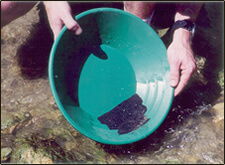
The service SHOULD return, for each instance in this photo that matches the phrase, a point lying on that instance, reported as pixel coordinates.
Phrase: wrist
(182, 35)
(183, 30)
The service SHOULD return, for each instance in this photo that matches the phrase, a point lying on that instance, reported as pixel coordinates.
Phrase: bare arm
(180, 54)
(187, 11)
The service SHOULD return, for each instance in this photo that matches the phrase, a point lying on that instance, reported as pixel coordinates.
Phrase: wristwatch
(185, 24)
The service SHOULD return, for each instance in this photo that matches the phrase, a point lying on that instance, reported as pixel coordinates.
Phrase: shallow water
(189, 135)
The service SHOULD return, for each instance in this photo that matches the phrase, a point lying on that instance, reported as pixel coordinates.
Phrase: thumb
(174, 74)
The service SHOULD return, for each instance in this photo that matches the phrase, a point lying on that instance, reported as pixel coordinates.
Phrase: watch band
(185, 24)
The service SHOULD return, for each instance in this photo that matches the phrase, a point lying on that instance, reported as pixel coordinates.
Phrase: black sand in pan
(127, 116)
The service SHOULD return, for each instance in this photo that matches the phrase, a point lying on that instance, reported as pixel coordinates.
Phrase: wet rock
(12, 123)
(221, 79)
(172, 160)
(218, 110)
(5, 153)
(4, 63)
(26, 154)
(112, 159)
(53, 103)
(26, 100)
(7, 120)
(191, 158)
(200, 65)
(143, 160)
(70, 145)
(91, 151)
(27, 115)
(35, 149)
(7, 140)
(200, 62)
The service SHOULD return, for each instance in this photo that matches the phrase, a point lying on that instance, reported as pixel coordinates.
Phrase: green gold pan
(116, 56)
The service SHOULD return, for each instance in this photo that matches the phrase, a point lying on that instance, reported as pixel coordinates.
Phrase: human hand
(59, 13)
(181, 60)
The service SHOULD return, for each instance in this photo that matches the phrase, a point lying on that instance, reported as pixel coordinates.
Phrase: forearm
(188, 11)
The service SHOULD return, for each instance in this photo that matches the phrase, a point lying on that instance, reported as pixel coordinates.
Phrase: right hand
(181, 60)
(59, 13)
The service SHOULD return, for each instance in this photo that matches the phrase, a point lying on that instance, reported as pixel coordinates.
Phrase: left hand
(181, 60)
(59, 13)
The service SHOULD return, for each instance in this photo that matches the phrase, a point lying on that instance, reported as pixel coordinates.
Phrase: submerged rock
(218, 116)
(5, 153)
(7, 120)
(221, 80)
(25, 153)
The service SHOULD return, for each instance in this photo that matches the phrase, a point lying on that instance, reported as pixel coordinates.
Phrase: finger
(174, 74)
(185, 76)
(71, 24)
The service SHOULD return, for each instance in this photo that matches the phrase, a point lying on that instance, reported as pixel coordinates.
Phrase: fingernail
(173, 83)
(78, 31)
